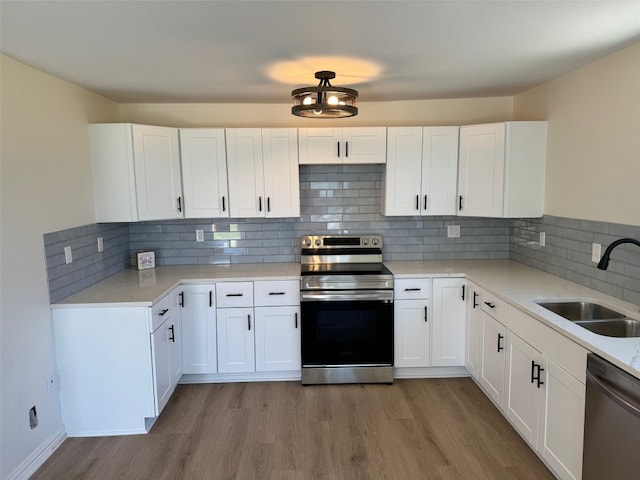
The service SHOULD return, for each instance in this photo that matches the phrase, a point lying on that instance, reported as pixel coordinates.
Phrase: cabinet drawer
(411, 288)
(234, 294)
(276, 292)
(494, 306)
(160, 312)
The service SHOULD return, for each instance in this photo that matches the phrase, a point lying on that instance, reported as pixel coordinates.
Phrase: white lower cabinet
(492, 357)
(411, 322)
(277, 337)
(448, 322)
(236, 332)
(199, 350)
(472, 330)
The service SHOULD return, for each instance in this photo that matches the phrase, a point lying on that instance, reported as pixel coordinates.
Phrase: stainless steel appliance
(611, 422)
(346, 296)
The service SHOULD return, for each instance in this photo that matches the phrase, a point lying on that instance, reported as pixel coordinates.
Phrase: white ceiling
(226, 51)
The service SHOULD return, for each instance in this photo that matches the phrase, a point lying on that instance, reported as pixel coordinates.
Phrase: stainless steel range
(347, 310)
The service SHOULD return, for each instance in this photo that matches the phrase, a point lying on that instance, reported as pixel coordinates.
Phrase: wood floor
(413, 429)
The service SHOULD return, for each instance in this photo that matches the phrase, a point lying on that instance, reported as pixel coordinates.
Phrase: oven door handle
(347, 295)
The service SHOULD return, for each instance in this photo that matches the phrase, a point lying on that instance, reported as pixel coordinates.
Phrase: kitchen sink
(595, 317)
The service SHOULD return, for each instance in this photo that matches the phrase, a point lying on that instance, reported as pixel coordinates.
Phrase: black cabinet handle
(224, 207)
(539, 376)
(338, 149)
(276, 293)
(210, 298)
(181, 295)
(412, 289)
(533, 371)
(460, 202)
(163, 312)
(425, 314)
(249, 322)
(425, 202)
(346, 149)
(268, 204)
(475, 297)
(235, 294)
(259, 204)
(463, 289)
(173, 334)
(490, 305)
(179, 204)
(417, 202)
(500, 347)
(296, 316)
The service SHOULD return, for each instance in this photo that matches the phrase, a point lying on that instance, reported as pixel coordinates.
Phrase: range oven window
(347, 333)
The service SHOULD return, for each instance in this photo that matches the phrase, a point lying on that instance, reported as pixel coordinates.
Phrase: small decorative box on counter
(146, 260)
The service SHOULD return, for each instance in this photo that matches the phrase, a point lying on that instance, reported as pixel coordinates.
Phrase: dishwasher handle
(614, 394)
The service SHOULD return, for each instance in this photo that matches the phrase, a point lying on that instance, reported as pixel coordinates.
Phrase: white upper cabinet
(136, 172)
(204, 172)
(357, 145)
(501, 169)
(422, 171)
(263, 172)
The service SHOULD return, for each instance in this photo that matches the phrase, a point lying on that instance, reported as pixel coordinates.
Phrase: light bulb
(318, 112)
(332, 100)
(307, 101)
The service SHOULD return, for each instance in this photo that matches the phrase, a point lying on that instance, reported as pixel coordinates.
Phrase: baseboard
(40, 455)
(430, 372)
(294, 375)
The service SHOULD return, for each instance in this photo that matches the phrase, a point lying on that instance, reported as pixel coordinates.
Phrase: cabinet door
(563, 426)
(447, 333)
(246, 172)
(175, 337)
(439, 170)
(277, 338)
(472, 343)
(402, 195)
(281, 172)
(235, 328)
(492, 357)
(524, 392)
(204, 172)
(162, 375)
(364, 145)
(318, 146)
(481, 170)
(157, 167)
(411, 333)
(199, 352)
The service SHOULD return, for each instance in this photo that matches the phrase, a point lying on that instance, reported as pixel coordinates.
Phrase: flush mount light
(324, 101)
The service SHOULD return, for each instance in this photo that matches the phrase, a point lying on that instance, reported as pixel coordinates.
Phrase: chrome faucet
(603, 264)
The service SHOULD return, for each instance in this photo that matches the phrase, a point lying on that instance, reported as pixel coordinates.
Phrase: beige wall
(593, 162)
(420, 112)
(45, 186)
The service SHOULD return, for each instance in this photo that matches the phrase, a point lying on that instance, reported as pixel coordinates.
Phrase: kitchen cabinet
(411, 322)
(277, 325)
(492, 347)
(356, 145)
(263, 172)
(448, 322)
(235, 327)
(197, 303)
(118, 365)
(422, 171)
(136, 172)
(204, 172)
(472, 329)
(502, 170)
(546, 392)
(176, 338)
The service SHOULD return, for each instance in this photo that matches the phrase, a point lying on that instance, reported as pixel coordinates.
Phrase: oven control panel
(341, 241)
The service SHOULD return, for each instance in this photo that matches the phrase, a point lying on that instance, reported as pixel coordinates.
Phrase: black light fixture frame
(320, 108)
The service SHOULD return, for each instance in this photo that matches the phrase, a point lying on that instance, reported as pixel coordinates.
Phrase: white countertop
(518, 284)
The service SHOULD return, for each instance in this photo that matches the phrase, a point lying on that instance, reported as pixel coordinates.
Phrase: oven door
(347, 332)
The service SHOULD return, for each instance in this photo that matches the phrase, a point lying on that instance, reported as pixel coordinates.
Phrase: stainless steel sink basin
(577, 311)
(595, 317)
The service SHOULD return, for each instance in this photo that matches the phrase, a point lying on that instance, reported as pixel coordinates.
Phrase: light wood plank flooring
(413, 429)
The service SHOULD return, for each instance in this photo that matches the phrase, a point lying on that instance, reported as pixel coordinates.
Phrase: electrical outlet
(453, 231)
(68, 258)
(100, 244)
(199, 235)
(595, 252)
(51, 382)
(33, 418)
(543, 239)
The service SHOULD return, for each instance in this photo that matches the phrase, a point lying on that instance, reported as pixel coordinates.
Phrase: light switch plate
(100, 244)
(453, 231)
(595, 252)
(68, 257)
(543, 239)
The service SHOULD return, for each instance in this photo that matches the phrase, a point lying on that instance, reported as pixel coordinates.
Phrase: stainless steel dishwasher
(612, 423)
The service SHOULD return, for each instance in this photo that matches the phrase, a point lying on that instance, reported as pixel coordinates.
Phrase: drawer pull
(163, 312)
(500, 347)
(249, 322)
(463, 291)
(210, 298)
(173, 334)
(475, 296)
(489, 304)
(296, 315)
(412, 289)
(181, 295)
(276, 293)
(235, 294)
(425, 314)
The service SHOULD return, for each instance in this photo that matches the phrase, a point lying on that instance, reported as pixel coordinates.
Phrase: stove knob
(375, 241)
(307, 241)
(318, 242)
(365, 241)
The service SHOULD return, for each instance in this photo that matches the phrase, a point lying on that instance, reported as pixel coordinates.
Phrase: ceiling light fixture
(324, 101)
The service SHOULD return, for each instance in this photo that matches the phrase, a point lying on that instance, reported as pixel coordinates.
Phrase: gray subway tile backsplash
(345, 200)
